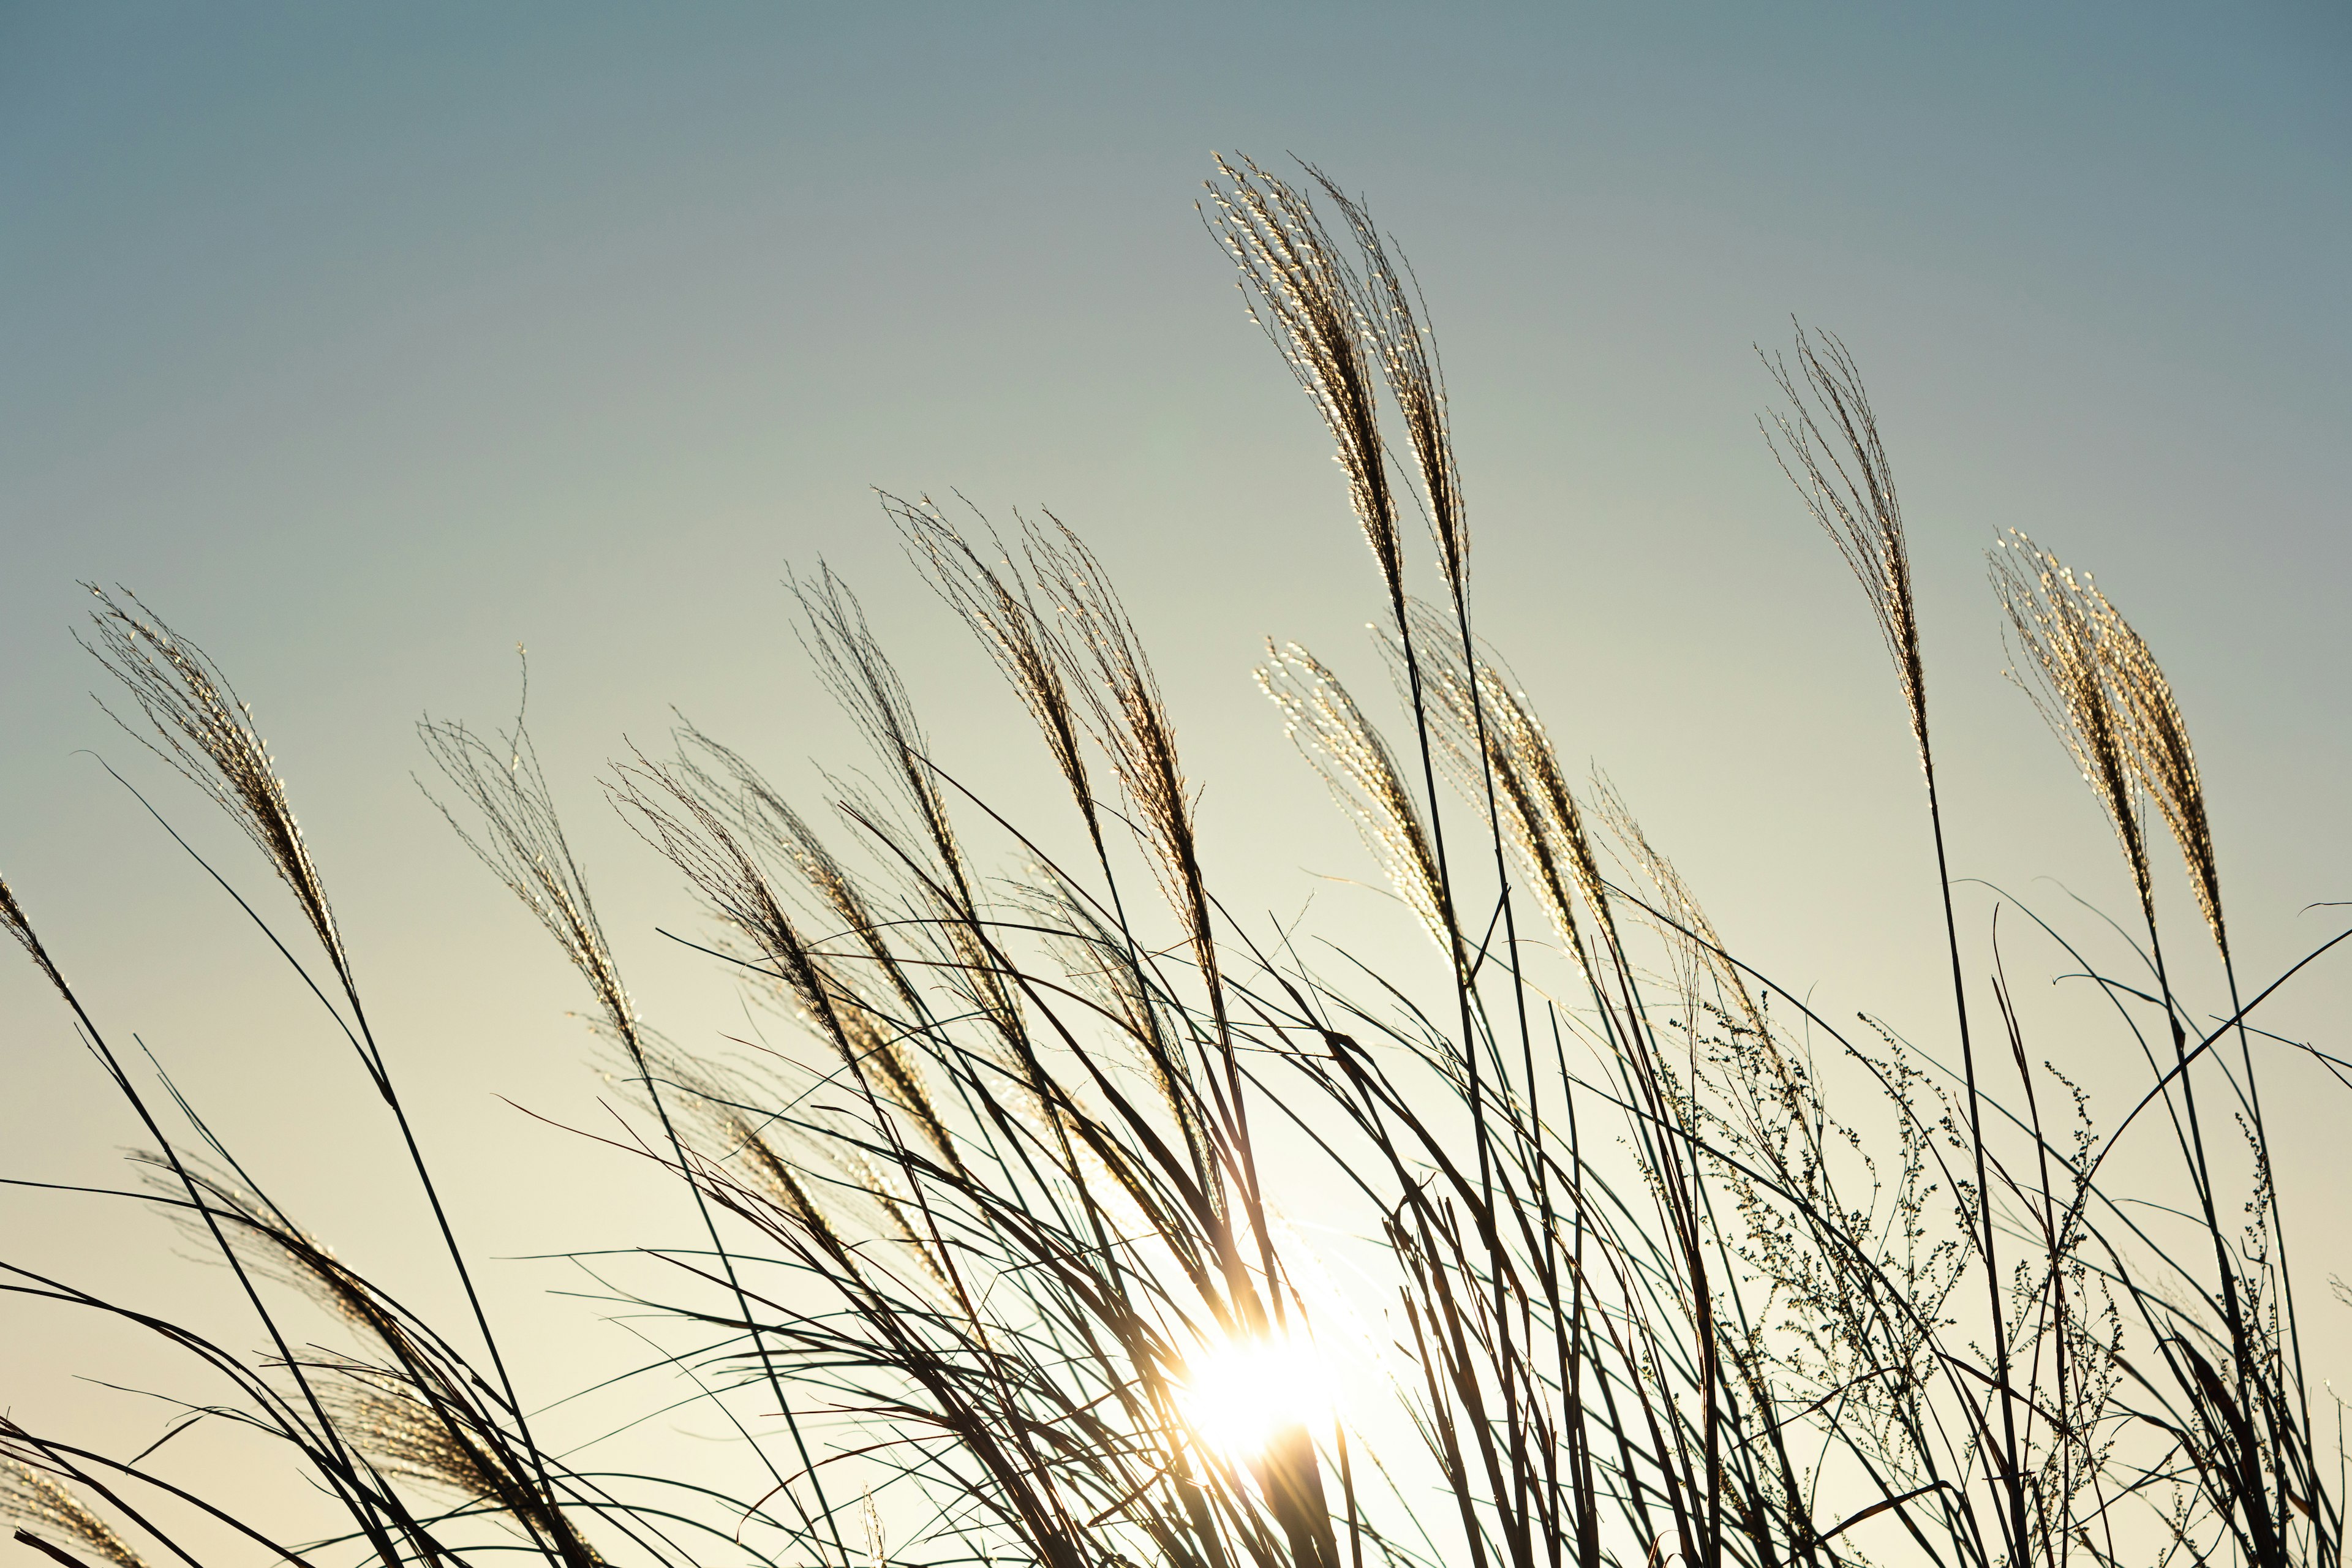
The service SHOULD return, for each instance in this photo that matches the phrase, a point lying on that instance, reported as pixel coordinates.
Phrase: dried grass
(1662, 1263)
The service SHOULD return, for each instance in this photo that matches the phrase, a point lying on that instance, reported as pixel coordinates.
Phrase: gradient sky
(365, 342)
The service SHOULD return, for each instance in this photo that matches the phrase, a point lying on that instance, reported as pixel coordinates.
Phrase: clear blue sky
(367, 341)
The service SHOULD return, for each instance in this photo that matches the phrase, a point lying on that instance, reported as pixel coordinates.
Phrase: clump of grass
(1659, 1262)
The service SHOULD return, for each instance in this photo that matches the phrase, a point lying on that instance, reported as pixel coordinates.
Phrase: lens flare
(1238, 1395)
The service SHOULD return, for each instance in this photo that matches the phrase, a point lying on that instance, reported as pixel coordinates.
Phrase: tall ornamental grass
(1650, 1262)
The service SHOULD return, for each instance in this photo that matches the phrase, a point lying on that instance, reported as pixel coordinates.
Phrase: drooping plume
(2060, 630)
(1828, 444)
(1333, 734)
(208, 735)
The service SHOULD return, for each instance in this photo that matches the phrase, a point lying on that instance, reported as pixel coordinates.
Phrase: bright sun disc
(1237, 1396)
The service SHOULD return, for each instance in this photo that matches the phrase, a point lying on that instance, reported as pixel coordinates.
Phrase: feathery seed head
(1386, 299)
(1827, 442)
(2158, 740)
(35, 1499)
(2099, 685)
(208, 735)
(1477, 703)
(12, 915)
(1334, 736)
(1129, 720)
(523, 844)
(996, 603)
(2063, 630)
(1310, 305)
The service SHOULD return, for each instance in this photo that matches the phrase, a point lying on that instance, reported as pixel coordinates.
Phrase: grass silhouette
(1653, 1262)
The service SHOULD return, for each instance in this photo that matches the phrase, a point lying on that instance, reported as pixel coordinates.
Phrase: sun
(1237, 1396)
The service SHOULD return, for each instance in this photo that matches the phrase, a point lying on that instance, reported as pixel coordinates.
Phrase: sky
(366, 343)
